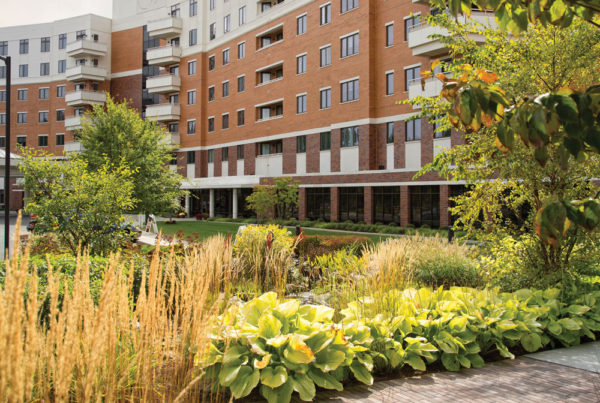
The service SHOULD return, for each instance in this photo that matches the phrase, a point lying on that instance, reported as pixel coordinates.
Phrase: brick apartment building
(251, 90)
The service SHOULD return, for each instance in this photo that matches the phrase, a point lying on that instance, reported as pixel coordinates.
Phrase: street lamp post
(6, 60)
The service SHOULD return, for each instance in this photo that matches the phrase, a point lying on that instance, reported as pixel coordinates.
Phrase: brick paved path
(521, 380)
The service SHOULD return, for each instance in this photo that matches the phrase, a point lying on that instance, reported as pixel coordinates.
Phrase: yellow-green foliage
(266, 267)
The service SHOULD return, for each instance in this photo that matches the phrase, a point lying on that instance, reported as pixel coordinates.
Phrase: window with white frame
(242, 15)
(44, 92)
(43, 140)
(212, 4)
(22, 94)
(241, 117)
(225, 57)
(60, 139)
(411, 75)
(212, 31)
(348, 5)
(60, 91)
(225, 89)
(22, 141)
(43, 116)
(325, 98)
(390, 132)
(211, 124)
(192, 97)
(301, 103)
(389, 83)
(349, 137)
(241, 83)
(301, 64)
(211, 93)
(45, 44)
(193, 36)
(60, 115)
(211, 63)
(226, 23)
(349, 45)
(325, 14)
(23, 70)
(225, 121)
(191, 68)
(389, 34)
(241, 48)
(193, 8)
(325, 56)
(411, 23)
(349, 90)
(413, 130)
(62, 41)
(62, 66)
(301, 24)
(44, 69)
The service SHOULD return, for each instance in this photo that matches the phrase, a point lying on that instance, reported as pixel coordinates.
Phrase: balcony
(269, 74)
(163, 84)
(422, 44)
(269, 111)
(165, 28)
(163, 112)
(172, 139)
(80, 98)
(83, 72)
(73, 123)
(86, 47)
(164, 55)
(433, 86)
(266, 5)
(73, 147)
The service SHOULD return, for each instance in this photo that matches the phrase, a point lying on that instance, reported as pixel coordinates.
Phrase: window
(386, 204)
(191, 68)
(326, 14)
(413, 130)
(225, 89)
(240, 118)
(45, 44)
(192, 97)
(349, 91)
(62, 66)
(24, 46)
(326, 98)
(241, 83)
(410, 75)
(43, 140)
(301, 64)
(60, 91)
(44, 69)
(43, 117)
(349, 136)
(211, 63)
(240, 152)
(224, 154)
(242, 16)
(265, 112)
(389, 34)
(390, 132)
(425, 206)
(211, 156)
(274, 147)
(23, 70)
(22, 117)
(175, 10)
(3, 48)
(191, 126)
(191, 157)
(2, 71)
(410, 24)
(301, 144)
(211, 124)
(301, 104)
(212, 31)
(348, 5)
(318, 204)
(60, 115)
(2, 118)
(60, 139)
(22, 95)
(225, 121)
(44, 93)
(225, 57)
(349, 45)
(325, 56)
(241, 50)
(62, 41)
(79, 35)
(301, 25)
(193, 36)
(211, 93)
(22, 141)
(2, 95)
(174, 128)
(226, 23)
(174, 99)
(439, 131)
(325, 141)
(212, 4)
(389, 83)
(193, 8)
(351, 202)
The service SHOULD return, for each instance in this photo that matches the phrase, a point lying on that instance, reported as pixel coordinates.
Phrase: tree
(280, 198)
(507, 187)
(84, 208)
(567, 119)
(117, 135)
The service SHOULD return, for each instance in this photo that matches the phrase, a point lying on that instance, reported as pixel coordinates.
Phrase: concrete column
(187, 205)
(211, 203)
(234, 203)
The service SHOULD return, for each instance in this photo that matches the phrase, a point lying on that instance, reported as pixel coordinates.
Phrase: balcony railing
(163, 84)
(163, 112)
(83, 72)
(165, 28)
(86, 47)
(164, 55)
(79, 98)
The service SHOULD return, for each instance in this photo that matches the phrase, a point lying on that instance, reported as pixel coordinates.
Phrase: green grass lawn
(206, 229)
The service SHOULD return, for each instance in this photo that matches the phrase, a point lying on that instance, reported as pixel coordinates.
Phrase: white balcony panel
(73, 147)
(80, 98)
(269, 165)
(433, 87)
(73, 123)
(224, 168)
(86, 47)
(163, 84)
(349, 159)
(191, 171)
(164, 55)
(412, 155)
(300, 163)
(172, 139)
(165, 28)
(440, 145)
(81, 73)
(240, 168)
(325, 162)
(163, 112)
(389, 151)
(211, 169)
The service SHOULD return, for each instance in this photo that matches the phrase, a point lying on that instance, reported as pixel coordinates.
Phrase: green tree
(84, 208)
(117, 135)
(279, 198)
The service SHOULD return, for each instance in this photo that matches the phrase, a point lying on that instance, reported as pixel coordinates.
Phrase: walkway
(532, 378)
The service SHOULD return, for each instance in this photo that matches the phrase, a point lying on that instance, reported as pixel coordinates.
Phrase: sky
(21, 12)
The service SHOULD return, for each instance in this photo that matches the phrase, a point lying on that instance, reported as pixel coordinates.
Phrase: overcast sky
(20, 12)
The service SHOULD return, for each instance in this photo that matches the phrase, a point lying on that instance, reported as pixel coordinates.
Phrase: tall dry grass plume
(119, 348)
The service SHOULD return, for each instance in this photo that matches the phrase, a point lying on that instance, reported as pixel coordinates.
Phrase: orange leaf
(434, 64)
(487, 119)
(487, 76)
(442, 77)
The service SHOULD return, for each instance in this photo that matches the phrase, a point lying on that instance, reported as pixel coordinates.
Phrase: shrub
(312, 246)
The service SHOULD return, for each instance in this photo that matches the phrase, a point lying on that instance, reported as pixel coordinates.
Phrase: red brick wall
(182, 164)
(232, 161)
(367, 144)
(217, 159)
(249, 159)
(368, 195)
(444, 213)
(335, 206)
(313, 147)
(302, 203)
(404, 206)
(289, 155)
(335, 150)
(426, 142)
(399, 144)
(128, 88)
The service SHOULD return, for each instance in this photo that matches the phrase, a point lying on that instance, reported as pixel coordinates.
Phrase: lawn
(205, 229)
